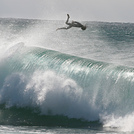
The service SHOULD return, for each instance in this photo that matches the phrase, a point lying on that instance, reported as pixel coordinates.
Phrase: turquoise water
(66, 81)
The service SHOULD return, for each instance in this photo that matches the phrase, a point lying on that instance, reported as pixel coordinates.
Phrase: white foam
(121, 123)
(51, 93)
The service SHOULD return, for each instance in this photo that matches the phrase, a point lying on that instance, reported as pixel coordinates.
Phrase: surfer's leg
(64, 28)
(61, 28)
(67, 19)
(69, 27)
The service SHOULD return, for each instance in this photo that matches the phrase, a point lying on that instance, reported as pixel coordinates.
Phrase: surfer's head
(83, 27)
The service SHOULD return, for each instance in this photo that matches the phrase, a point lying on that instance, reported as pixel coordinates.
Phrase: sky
(84, 10)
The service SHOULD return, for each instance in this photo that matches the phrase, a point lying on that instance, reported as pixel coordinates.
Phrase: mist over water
(86, 75)
(110, 42)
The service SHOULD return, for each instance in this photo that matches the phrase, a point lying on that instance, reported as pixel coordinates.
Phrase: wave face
(39, 86)
(58, 84)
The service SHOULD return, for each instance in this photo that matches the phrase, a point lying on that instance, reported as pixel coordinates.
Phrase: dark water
(66, 81)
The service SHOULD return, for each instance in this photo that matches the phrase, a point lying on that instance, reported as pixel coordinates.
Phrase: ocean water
(66, 81)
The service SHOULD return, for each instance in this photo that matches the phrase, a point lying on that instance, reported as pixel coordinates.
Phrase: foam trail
(120, 123)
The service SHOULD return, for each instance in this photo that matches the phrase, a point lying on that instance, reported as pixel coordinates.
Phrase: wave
(55, 84)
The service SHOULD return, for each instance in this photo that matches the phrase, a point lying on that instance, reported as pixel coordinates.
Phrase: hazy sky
(92, 10)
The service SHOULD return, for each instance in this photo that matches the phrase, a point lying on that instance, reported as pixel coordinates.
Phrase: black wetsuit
(73, 24)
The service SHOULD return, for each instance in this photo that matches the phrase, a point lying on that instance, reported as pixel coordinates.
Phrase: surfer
(73, 24)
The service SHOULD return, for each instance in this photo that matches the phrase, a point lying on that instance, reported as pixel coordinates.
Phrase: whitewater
(62, 80)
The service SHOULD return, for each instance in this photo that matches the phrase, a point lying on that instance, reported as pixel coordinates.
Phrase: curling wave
(50, 83)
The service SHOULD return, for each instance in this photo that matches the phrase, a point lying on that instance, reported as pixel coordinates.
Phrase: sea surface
(66, 81)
